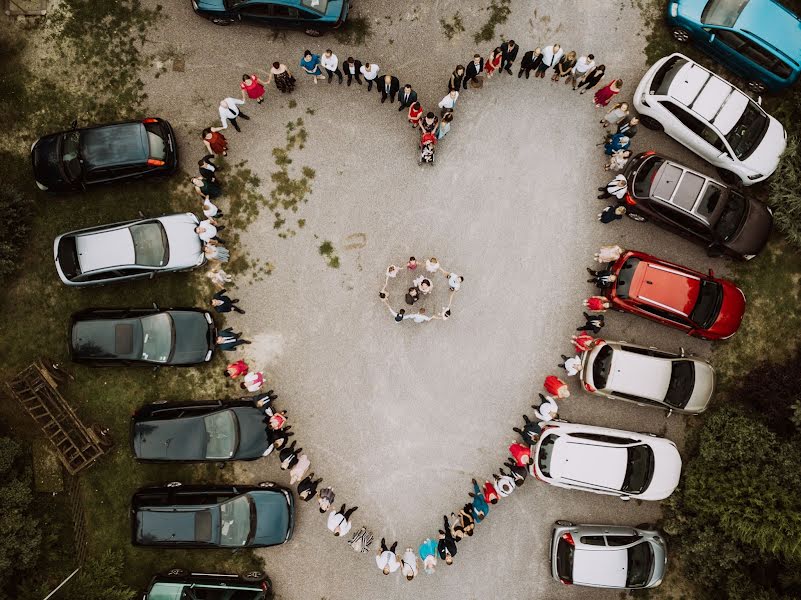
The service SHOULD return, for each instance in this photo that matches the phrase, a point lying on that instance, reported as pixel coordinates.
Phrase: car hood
(704, 387)
(755, 230)
(173, 439)
(186, 249)
(192, 337)
(252, 437)
(691, 8)
(272, 517)
(731, 312)
(667, 470)
(774, 24)
(46, 162)
(765, 158)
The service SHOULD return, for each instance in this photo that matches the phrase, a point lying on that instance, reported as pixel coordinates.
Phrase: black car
(179, 584)
(696, 206)
(198, 432)
(107, 337)
(72, 160)
(212, 516)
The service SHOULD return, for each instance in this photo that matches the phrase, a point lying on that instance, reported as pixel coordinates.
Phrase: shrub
(16, 209)
(785, 193)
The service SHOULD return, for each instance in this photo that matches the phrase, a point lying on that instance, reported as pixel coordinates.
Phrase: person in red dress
(556, 387)
(490, 493)
(215, 142)
(493, 62)
(236, 369)
(584, 342)
(597, 303)
(606, 93)
(415, 114)
(253, 88)
(521, 453)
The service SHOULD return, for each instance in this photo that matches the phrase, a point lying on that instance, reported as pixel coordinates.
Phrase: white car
(710, 116)
(607, 461)
(648, 376)
(129, 250)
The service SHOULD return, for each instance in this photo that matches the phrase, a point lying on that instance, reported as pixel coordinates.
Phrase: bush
(785, 193)
(16, 209)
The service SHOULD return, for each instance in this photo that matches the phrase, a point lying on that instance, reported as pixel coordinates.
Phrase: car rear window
(722, 12)
(682, 383)
(732, 216)
(158, 146)
(639, 469)
(150, 244)
(68, 257)
(688, 191)
(746, 135)
(625, 276)
(601, 366)
(707, 306)
(663, 78)
(640, 565)
(546, 454)
(564, 560)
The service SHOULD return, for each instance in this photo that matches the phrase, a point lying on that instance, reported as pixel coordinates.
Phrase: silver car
(608, 556)
(129, 250)
(648, 376)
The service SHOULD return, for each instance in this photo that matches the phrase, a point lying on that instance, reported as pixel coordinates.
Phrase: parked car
(314, 17)
(648, 376)
(696, 206)
(759, 40)
(608, 556)
(128, 250)
(70, 161)
(179, 584)
(712, 118)
(606, 461)
(108, 337)
(212, 516)
(198, 432)
(701, 305)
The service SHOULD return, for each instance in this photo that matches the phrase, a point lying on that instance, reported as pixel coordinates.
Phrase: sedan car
(212, 516)
(198, 432)
(72, 160)
(179, 584)
(606, 461)
(608, 556)
(648, 376)
(129, 250)
(107, 337)
(696, 206)
(711, 117)
(701, 305)
(312, 16)
(759, 40)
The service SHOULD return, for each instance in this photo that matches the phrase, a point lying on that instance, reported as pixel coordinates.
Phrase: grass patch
(292, 104)
(326, 249)
(499, 11)
(355, 32)
(453, 26)
(289, 193)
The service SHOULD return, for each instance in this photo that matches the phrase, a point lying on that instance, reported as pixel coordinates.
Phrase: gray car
(130, 250)
(608, 556)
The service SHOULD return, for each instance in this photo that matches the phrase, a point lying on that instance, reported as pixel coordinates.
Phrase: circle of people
(583, 75)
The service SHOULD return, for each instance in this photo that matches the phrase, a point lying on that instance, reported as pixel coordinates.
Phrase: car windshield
(564, 560)
(71, 155)
(639, 469)
(748, 132)
(722, 12)
(157, 338)
(710, 297)
(546, 453)
(709, 201)
(235, 521)
(624, 277)
(600, 367)
(664, 77)
(682, 383)
(319, 6)
(645, 176)
(220, 435)
(150, 244)
(732, 216)
(640, 564)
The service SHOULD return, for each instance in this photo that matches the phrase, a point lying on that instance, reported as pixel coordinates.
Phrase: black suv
(183, 585)
(70, 161)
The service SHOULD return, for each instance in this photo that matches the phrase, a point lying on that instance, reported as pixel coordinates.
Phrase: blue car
(759, 40)
(314, 17)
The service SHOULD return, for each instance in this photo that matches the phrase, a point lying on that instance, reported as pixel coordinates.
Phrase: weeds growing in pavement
(452, 27)
(355, 32)
(499, 11)
(326, 249)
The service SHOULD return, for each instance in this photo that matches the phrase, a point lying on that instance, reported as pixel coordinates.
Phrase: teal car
(313, 17)
(759, 40)
(179, 584)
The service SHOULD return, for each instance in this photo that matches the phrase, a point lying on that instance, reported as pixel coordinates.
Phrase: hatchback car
(648, 376)
(314, 17)
(108, 337)
(606, 461)
(179, 584)
(198, 432)
(212, 516)
(129, 250)
(72, 160)
(701, 305)
(759, 40)
(712, 118)
(696, 206)
(608, 556)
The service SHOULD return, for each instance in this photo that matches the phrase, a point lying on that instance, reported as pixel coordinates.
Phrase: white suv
(712, 118)
(607, 461)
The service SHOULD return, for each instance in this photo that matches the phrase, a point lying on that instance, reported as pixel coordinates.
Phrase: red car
(702, 305)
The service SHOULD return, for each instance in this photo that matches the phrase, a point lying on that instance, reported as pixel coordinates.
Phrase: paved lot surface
(398, 418)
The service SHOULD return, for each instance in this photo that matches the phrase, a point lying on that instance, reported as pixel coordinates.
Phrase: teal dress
(427, 548)
(312, 64)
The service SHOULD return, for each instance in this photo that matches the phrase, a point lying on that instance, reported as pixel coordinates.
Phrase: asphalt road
(399, 418)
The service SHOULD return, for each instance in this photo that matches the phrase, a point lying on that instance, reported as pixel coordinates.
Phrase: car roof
(639, 374)
(177, 524)
(603, 565)
(685, 189)
(114, 145)
(181, 438)
(774, 24)
(107, 338)
(105, 249)
(664, 287)
(588, 462)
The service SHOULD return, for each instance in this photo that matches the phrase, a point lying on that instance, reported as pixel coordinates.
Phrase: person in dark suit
(389, 87)
(228, 340)
(509, 54)
(530, 61)
(351, 68)
(407, 96)
(224, 304)
(473, 70)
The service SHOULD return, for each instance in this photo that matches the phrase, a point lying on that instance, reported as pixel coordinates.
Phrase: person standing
(415, 114)
(219, 278)
(521, 453)
(606, 93)
(297, 473)
(530, 432)
(551, 56)
(556, 387)
(493, 62)
(370, 71)
(429, 125)
(548, 410)
(229, 111)
(325, 498)
(308, 487)
(628, 126)
(597, 304)
(444, 125)
(565, 66)
(310, 63)
(407, 96)
(504, 484)
(352, 68)
(224, 304)
(490, 493)
(213, 251)
(386, 559)
(611, 213)
(388, 88)
(252, 381)
(617, 188)
(609, 254)
(206, 188)
(215, 142)
(508, 54)
(455, 81)
(480, 508)
(330, 63)
(236, 369)
(446, 548)
(284, 80)
(592, 323)
(617, 160)
(615, 115)
(211, 210)
(207, 168)
(409, 564)
(603, 279)
(584, 65)
(473, 70)
(592, 78)
(448, 103)
(207, 230)
(530, 61)
(252, 88)
(339, 521)
(428, 554)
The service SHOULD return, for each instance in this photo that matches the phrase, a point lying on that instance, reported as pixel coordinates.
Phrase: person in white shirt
(454, 281)
(421, 317)
(207, 230)
(331, 65)
(550, 56)
(370, 72)
(210, 209)
(409, 562)
(448, 103)
(229, 111)
(547, 410)
(617, 160)
(386, 559)
(571, 365)
(339, 521)
(584, 65)
(617, 188)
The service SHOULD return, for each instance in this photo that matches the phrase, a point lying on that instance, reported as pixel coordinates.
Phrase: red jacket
(490, 493)
(553, 384)
(238, 368)
(518, 451)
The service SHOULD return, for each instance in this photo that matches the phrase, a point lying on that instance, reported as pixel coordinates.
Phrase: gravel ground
(399, 418)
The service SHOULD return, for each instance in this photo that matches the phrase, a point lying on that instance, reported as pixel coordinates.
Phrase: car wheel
(564, 523)
(728, 177)
(647, 526)
(757, 87)
(636, 217)
(313, 32)
(177, 573)
(651, 123)
(266, 484)
(680, 35)
(254, 576)
(221, 21)
(174, 484)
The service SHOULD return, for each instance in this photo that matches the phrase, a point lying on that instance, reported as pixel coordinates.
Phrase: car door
(256, 11)
(727, 45)
(697, 135)
(685, 224)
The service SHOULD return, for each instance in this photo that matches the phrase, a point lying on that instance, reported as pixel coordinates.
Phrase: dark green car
(179, 584)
